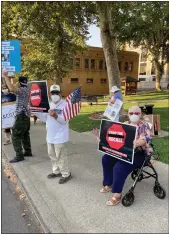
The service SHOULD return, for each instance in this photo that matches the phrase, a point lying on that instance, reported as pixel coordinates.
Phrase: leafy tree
(57, 32)
(146, 24)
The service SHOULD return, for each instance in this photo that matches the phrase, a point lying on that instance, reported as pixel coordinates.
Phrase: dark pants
(115, 171)
(20, 135)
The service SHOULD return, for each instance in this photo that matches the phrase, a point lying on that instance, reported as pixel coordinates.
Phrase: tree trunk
(159, 73)
(56, 78)
(158, 87)
(109, 43)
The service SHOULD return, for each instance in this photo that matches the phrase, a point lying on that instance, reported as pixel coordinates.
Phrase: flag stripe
(73, 104)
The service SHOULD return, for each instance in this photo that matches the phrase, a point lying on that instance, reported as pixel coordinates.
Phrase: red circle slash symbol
(35, 95)
(116, 136)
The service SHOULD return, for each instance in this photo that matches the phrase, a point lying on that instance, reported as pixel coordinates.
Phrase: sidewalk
(77, 206)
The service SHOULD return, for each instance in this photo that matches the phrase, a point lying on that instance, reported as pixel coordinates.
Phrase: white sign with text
(8, 115)
(113, 110)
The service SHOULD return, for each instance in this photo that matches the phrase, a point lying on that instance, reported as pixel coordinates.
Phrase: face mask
(55, 98)
(5, 91)
(134, 118)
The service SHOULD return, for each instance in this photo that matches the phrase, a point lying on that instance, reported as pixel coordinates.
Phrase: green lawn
(161, 144)
(148, 96)
(142, 97)
(82, 123)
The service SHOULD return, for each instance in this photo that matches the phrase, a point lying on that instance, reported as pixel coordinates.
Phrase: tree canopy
(146, 24)
(57, 32)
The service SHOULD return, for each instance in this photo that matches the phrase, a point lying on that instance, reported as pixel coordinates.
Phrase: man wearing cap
(20, 130)
(115, 94)
(57, 135)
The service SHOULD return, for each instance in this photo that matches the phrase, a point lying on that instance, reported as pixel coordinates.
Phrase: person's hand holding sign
(5, 73)
(139, 143)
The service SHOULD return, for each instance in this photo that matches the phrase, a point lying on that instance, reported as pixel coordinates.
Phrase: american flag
(73, 104)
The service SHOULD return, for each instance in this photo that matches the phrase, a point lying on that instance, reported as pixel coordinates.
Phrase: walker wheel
(128, 199)
(159, 192)
(135, 173)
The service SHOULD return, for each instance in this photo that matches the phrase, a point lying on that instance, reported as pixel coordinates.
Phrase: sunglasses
(55, 92)
(134, 113)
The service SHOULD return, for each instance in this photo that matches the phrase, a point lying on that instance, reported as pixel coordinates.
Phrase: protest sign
(113, 110)
(8, 115)
(11, 55)
(39, 101)
(116, 140)
(8, 109)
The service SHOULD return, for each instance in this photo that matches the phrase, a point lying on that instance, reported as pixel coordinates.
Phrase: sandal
(105, 189)
(113, 201)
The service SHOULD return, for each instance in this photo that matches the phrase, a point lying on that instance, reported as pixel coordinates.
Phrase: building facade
(146, 71)
(89, 70)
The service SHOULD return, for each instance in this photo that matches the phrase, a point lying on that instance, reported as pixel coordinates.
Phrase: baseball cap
(23, 80)
(55, 88)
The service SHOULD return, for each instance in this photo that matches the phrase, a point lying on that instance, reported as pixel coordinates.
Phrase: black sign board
(39, 101)
(116, 140)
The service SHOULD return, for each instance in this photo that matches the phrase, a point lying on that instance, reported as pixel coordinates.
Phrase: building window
(154, 78)
(144, 53)
(143, 67)
(105, 66)
(130, 66)
(119, 66)
(126, 66)
(74, 80)
(87, 63)
(142, 79)
(153, 68)
(92, 63)
(103, 81)
(77, 62)
(101, 65)
(89, 80)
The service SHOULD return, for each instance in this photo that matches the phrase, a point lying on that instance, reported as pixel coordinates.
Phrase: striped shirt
(22, 101)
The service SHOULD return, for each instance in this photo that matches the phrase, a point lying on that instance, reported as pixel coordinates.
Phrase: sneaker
(28, 154)
(65, 179)
(53, 175)
(15, 160)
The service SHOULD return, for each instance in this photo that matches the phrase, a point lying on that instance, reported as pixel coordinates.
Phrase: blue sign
(11, 55)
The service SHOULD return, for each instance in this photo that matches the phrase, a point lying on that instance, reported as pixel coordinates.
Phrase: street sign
(11, 55)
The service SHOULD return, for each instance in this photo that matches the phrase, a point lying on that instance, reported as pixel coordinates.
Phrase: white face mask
(55, 98)
(5, 91)
(134, 118)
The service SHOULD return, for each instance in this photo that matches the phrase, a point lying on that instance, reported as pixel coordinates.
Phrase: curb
(33, 206)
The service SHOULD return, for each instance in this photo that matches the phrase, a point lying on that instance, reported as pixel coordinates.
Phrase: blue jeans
(115, 171)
